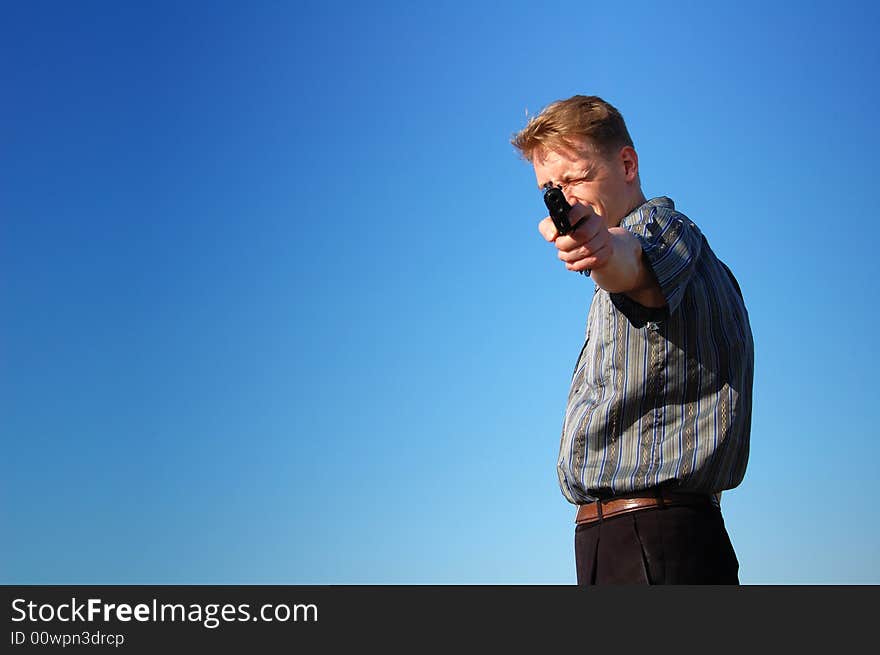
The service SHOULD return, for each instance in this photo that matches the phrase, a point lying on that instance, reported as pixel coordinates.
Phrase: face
(607, 186)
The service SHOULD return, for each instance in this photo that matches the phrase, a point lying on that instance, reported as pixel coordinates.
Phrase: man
(659, 412)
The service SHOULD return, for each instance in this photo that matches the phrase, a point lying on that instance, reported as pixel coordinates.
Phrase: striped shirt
(662, 395)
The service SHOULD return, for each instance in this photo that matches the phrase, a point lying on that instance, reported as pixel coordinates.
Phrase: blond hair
(562, 122)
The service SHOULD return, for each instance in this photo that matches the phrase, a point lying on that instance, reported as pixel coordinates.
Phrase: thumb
(548, 229)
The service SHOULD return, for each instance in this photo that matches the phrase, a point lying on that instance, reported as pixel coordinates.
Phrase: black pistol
(558, 207)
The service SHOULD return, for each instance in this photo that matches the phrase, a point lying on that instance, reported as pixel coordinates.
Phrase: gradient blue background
(275, 308)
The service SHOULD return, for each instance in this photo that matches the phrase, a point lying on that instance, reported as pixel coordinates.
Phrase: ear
(630, 161)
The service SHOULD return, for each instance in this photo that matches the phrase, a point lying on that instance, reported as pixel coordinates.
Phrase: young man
(659, 412)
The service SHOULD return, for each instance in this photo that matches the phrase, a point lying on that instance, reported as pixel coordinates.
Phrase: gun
(559, 208)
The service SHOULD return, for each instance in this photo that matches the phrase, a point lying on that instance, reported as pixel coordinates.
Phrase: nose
(569, 196)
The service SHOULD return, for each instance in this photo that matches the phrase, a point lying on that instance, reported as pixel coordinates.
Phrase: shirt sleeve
(672, 247)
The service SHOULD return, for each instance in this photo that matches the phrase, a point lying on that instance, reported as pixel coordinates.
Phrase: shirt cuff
(637, 314)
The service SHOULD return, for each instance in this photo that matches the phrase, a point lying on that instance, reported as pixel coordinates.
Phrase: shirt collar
(642, 213)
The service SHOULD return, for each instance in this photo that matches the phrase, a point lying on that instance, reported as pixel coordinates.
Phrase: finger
(585, 232)
(570, 256)
(599, 252)
(583, 249)
(595, 260)
(548, 229)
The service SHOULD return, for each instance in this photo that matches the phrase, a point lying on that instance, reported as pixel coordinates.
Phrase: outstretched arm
(614, 257)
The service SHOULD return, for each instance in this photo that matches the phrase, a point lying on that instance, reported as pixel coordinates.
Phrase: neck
(636, 200)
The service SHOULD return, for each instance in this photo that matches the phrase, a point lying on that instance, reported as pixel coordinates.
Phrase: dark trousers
(671, 545)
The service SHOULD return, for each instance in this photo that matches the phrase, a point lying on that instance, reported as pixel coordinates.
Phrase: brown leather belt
(648, 499)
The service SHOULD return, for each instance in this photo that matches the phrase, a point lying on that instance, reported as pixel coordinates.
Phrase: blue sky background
(276, 309)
